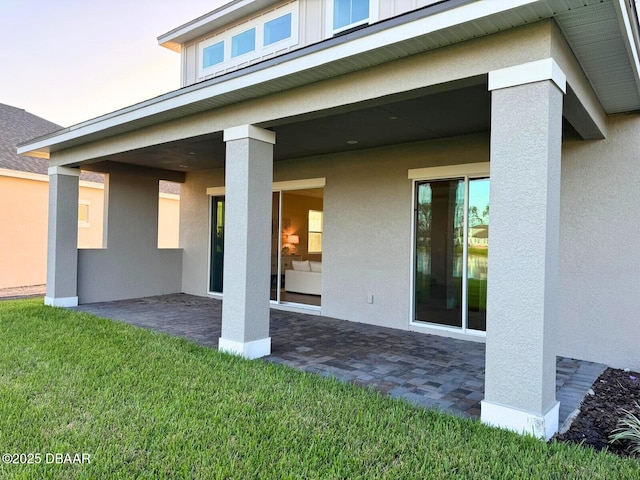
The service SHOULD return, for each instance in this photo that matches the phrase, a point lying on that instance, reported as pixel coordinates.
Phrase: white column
(522, 297)
(247, 244)
(62, 244)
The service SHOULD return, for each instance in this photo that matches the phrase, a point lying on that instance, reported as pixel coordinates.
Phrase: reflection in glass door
(477, 253)
(451, 246)
(217, 244)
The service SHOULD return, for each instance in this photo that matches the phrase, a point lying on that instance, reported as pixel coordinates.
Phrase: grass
(145, 405)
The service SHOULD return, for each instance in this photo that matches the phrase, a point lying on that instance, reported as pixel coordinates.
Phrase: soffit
(617, 90)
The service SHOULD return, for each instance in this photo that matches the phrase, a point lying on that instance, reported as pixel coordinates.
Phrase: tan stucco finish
(23, 242)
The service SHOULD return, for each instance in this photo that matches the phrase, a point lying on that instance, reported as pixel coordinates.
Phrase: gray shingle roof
(17, 125)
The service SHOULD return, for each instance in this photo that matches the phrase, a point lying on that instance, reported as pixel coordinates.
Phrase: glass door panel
(275, 246)
(439, 252)
(217, 244)
(478, 253)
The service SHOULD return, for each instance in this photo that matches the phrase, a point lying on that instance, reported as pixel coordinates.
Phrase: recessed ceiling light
(352, 142)
(393, 117)
(192, 153)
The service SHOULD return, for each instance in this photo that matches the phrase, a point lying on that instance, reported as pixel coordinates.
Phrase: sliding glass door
(217, 244)
(451, 246)
(296, 246)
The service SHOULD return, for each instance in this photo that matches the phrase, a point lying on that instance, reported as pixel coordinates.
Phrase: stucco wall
(367, 223)
(367, 241)
(23, 221)
(23, 231)
(90, 234)
(131, 265)
(599, 245)
(168, 221)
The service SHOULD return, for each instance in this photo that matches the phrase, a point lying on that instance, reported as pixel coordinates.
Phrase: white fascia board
(439, 21)
(629, 39)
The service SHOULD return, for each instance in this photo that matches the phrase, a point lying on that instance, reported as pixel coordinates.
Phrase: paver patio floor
(427, 370)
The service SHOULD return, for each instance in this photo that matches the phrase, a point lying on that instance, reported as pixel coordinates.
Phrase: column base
(520, 421)
(61, 301)
(249, 350)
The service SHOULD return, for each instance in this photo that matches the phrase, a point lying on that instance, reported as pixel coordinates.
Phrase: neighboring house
(358, 135)
(24, 185)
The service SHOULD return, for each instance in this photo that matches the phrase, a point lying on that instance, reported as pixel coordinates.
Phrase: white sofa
(306, 277)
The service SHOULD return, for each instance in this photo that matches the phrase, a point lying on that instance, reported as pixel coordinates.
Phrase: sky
(72, 60)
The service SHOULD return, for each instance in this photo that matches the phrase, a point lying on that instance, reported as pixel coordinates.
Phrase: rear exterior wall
(367, 234)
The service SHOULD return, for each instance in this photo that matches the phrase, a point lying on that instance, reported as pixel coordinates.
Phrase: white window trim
(468, 171)
(260, 49)
(374, 14)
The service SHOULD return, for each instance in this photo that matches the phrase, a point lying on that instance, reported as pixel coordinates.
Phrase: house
(358, 135)
(24, 185)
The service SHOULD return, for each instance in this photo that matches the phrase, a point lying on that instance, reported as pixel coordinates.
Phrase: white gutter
(438, 21)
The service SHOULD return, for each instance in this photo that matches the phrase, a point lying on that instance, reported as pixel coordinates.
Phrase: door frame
(468, 171)
(301, 184)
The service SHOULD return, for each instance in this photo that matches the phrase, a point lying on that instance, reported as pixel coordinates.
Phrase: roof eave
(230, 12)
(628, 19)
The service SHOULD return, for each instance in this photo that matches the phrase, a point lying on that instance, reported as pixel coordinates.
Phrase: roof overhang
(427, 29)
(218, 18)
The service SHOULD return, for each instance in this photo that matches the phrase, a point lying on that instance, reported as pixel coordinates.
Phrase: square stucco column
(247, 246)
(522, 297)
(62, 243)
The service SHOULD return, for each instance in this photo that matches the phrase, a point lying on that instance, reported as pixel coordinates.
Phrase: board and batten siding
(312, 28)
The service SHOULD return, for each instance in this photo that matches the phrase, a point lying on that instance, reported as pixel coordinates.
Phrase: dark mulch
(614, 392)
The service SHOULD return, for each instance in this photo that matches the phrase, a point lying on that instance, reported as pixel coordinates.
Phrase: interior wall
(295, 209)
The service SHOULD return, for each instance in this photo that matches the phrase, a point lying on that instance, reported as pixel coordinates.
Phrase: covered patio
(427, 370)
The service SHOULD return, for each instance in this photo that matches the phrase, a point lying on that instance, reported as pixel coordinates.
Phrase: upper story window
(277, 29)
(345, 14)
(244, 42)
(213, 54)
(261, 36)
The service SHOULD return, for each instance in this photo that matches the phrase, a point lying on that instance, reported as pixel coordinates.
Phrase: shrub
(629, 430)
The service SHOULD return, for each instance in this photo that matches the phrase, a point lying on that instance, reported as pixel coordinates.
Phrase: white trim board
(279, 186)
(448, 171)
(250, 350)
(539, 425)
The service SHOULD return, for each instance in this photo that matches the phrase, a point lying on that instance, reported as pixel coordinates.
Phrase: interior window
(315, 231)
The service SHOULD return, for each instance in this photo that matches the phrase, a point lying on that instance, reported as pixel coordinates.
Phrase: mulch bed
(613, 392)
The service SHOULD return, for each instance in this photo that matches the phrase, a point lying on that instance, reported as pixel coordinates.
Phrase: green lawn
(145, 405)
